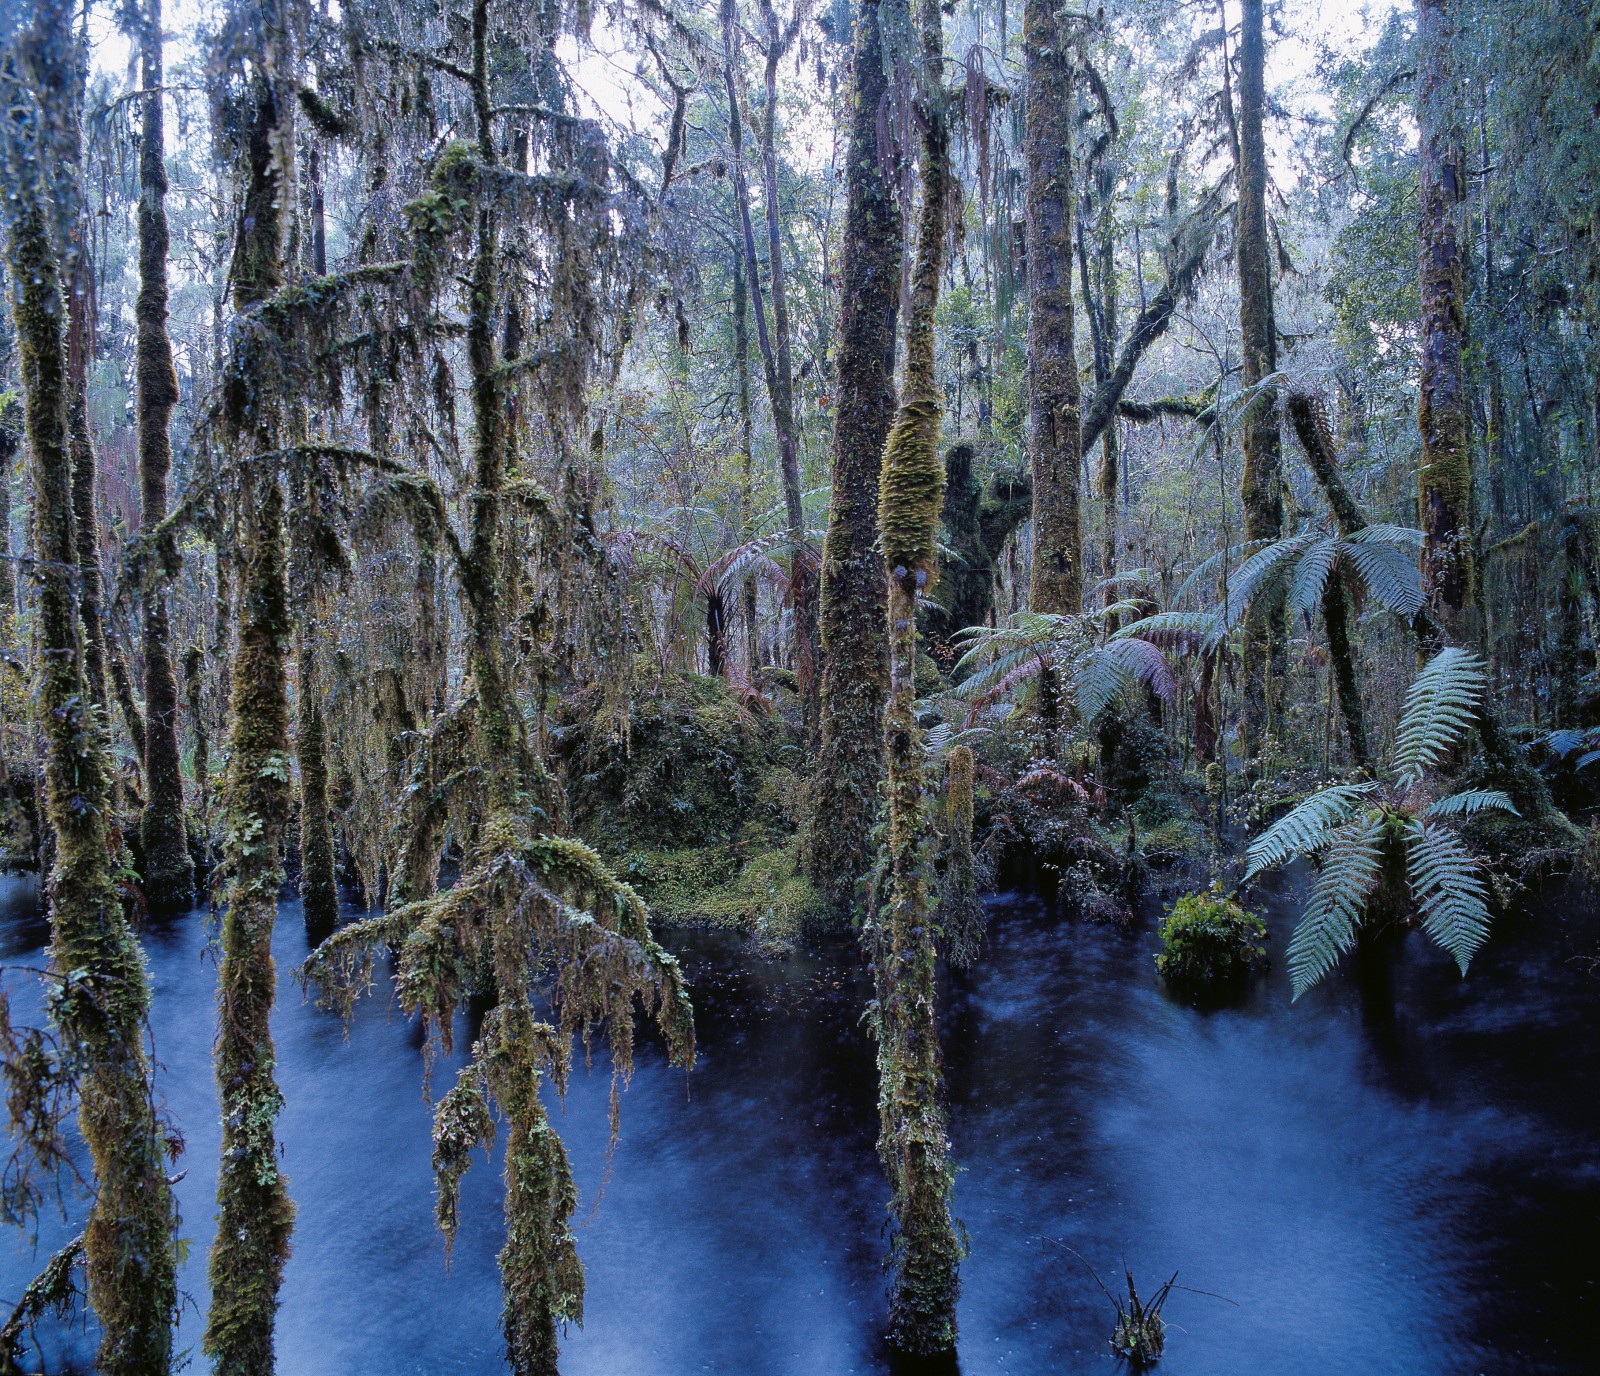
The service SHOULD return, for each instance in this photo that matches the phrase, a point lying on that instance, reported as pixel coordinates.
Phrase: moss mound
(1208, 940)
(759, 891)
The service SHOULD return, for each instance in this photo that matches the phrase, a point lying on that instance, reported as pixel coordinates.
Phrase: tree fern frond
(1260, 571)
(978, 684)
(1585, 760)
(1131, 578)
(1311, 577)
(1178, 630)
(1439, 709)
(1328, 927)
(1401, 537)
(1305, 829)
(1448, 889)
(1099, 678)
(1147, 664)
(1209, 570)
(1469, 802)
(1389, 574)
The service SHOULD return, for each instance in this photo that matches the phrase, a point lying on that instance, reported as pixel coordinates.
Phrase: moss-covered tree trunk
(912, 1142)
(1055, 444)
(254, 1213)
(103, 998)
(85, 488)
(1444, 475)
(168, 867)
(319, 888)
(748, 600)
(844, 796)
(1261, 485)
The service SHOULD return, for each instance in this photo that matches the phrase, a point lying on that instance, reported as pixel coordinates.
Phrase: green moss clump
(762, 892)
(1210, 940)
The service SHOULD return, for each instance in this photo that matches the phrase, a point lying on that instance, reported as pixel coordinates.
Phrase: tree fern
(1308, 828)
(1439, 708)
(1448, 889)
(1333, 914)
(1389, 574)
(1311, 576)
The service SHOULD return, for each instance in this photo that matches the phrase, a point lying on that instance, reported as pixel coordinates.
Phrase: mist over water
(1376, 1181)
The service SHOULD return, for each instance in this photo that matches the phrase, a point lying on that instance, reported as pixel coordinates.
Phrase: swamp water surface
(1410, 1188)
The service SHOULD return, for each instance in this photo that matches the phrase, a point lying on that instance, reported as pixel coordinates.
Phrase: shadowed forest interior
(773, 686)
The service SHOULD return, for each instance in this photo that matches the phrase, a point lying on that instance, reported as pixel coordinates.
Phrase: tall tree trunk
(776, 352)
(747, 482)
(254, 1214)
(103, 999)
(85, 482)
(168, 867)
(1261, 486)
(1055, 432)
(838, 846)
(1444, 479)
(913, 1143)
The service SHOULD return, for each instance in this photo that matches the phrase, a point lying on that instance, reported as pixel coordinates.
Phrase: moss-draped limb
(168, 867)
(837, 841)
(925, 1251)
(103, 998)
(254, 1214)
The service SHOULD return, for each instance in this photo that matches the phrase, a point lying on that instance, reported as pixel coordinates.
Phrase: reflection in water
(1401, 1183)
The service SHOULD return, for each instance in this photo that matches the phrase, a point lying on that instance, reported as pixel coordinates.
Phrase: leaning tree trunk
(1261, 485)
(1055, 431)
(1444, 477)
(838, 845)
(912, 1142)
(254, 1214)
(103, 998)
(168, 867)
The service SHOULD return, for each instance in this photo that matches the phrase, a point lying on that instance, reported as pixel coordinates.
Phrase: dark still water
(1410, 1188)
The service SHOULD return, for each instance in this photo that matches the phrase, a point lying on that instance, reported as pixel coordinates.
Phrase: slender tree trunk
(1055, 435)
(1444, 479)
(168, 867)
(85, 485)
(849, 764)
(254, 1214)
(913, 1143)
(1316, 438)
(103, 999)
(1261, 486)
(774, 345)
(747, 483)
(194, 694)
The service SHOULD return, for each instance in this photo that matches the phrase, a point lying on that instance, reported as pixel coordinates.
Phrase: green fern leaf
(1306, 829)
(1389, 575)
(1469, 802)
(1311, 577)
(1448, 889)
(1260, 571)
(1332, 916)
(1099, 678)
(1439, 709)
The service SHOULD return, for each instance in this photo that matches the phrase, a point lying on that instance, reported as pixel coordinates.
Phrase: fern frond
(1439, 709)
(1401, 537)
(1099, 678)
(1209, 570)
(1469, 802)
(1147, 664)
(1332, 916)
(1177, 630)
(1305, 829)
(1389, 575)
(1311, 576)
(1260, 571)
(1448, 889)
